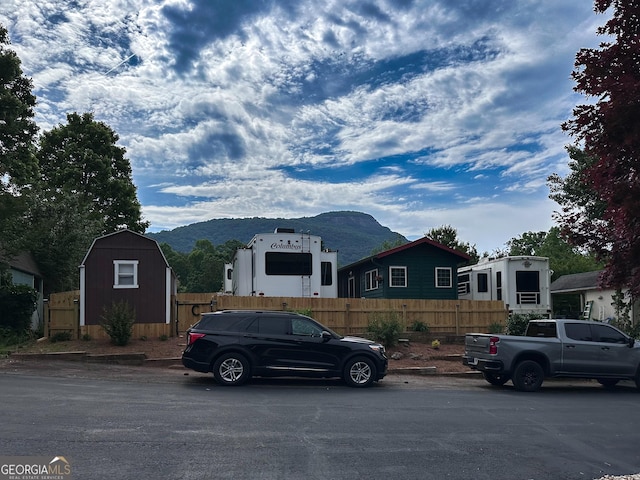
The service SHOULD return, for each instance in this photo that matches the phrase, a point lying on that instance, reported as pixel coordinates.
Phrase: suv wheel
(231, 369)
(359, 372)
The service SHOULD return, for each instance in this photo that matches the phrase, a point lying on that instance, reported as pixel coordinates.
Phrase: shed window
(125, 274)
(397, 276)
(443, 277)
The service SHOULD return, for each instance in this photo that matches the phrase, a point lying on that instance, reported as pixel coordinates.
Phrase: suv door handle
(605, 348)
(571, 346)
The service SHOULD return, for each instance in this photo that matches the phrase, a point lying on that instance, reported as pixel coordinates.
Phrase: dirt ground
(446, 359)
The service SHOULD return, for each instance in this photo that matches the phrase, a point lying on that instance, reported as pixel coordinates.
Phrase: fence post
(347, 320)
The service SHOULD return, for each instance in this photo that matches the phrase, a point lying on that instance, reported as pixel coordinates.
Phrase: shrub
(10, 337)
(163, 338)
(419, 326)
(435, 344)
(17, 303)
(305, 311)
(496, 328)
(118, 322)
(517, 323)
(86, 337)
(64, 336)
(385, 328)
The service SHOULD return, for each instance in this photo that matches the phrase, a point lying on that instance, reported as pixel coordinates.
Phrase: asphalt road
(135, 423)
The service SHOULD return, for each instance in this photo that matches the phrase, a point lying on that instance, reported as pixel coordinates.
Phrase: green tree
(448, 236)
(18, 166)
(81, 159)
(61, 232)
(389, 244)
(608, 130)
(202, 269)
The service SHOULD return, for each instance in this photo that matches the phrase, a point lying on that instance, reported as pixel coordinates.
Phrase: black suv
(236, 345)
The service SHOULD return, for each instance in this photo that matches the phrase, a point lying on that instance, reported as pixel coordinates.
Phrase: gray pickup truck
(555, 348)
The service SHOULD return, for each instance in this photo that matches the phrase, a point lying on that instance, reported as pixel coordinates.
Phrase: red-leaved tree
(607, 130)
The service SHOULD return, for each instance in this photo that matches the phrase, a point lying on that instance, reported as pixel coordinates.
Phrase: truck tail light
(192, 337)
(493, 345)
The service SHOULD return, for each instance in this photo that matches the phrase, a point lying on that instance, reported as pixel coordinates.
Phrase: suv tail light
(192, 337)
(493, 345)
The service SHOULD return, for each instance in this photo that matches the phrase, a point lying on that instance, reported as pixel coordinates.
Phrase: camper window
(277, 263)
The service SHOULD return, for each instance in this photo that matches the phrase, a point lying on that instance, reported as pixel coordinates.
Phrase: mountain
(353, 234)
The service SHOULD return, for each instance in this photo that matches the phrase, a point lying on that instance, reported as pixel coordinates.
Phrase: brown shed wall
(149, 299)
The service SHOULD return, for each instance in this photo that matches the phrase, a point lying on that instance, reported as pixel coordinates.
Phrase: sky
(421, 113)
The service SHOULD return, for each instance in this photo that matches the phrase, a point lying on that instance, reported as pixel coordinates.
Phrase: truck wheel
(232, 369)
(528, 376)
(497, 379)
(608, 382)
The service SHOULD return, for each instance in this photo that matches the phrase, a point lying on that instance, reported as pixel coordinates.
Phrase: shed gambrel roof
(120, 232)
(407, 246)
(576, 282)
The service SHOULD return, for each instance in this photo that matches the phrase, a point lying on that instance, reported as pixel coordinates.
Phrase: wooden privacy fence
(347, 316)
(351, 316)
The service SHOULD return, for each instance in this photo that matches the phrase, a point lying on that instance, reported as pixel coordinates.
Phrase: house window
(397, 276)
(443, 277)
(125, 274)
(371, 279)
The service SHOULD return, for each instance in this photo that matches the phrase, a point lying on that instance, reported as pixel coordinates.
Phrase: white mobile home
(283, 264)
(521, 282)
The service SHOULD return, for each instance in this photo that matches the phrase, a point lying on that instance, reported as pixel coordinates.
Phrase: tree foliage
(448, 236)
(602, 199)
(388, 245)
(202, 269)
(81, 159)
(17, 128)
(18, 166)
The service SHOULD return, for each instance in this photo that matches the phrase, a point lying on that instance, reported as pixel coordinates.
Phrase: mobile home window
(277, 263)
(397, 276)
(371, 279)
(125, 274)
(443, 277)
(527, 281)
(483, 282)
(464, 284)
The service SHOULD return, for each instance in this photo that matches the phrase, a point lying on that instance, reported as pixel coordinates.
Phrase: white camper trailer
(521, 282)
(283, 264)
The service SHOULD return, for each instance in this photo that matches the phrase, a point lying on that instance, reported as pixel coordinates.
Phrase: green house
(422, 269)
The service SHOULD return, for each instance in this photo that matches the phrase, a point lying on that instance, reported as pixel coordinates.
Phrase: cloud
(421, 113)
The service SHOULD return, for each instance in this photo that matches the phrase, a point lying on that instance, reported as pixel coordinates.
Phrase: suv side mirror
(632, 342)
(326, 336)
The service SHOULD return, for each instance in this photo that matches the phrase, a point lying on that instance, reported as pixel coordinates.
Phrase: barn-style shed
(128, 266)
